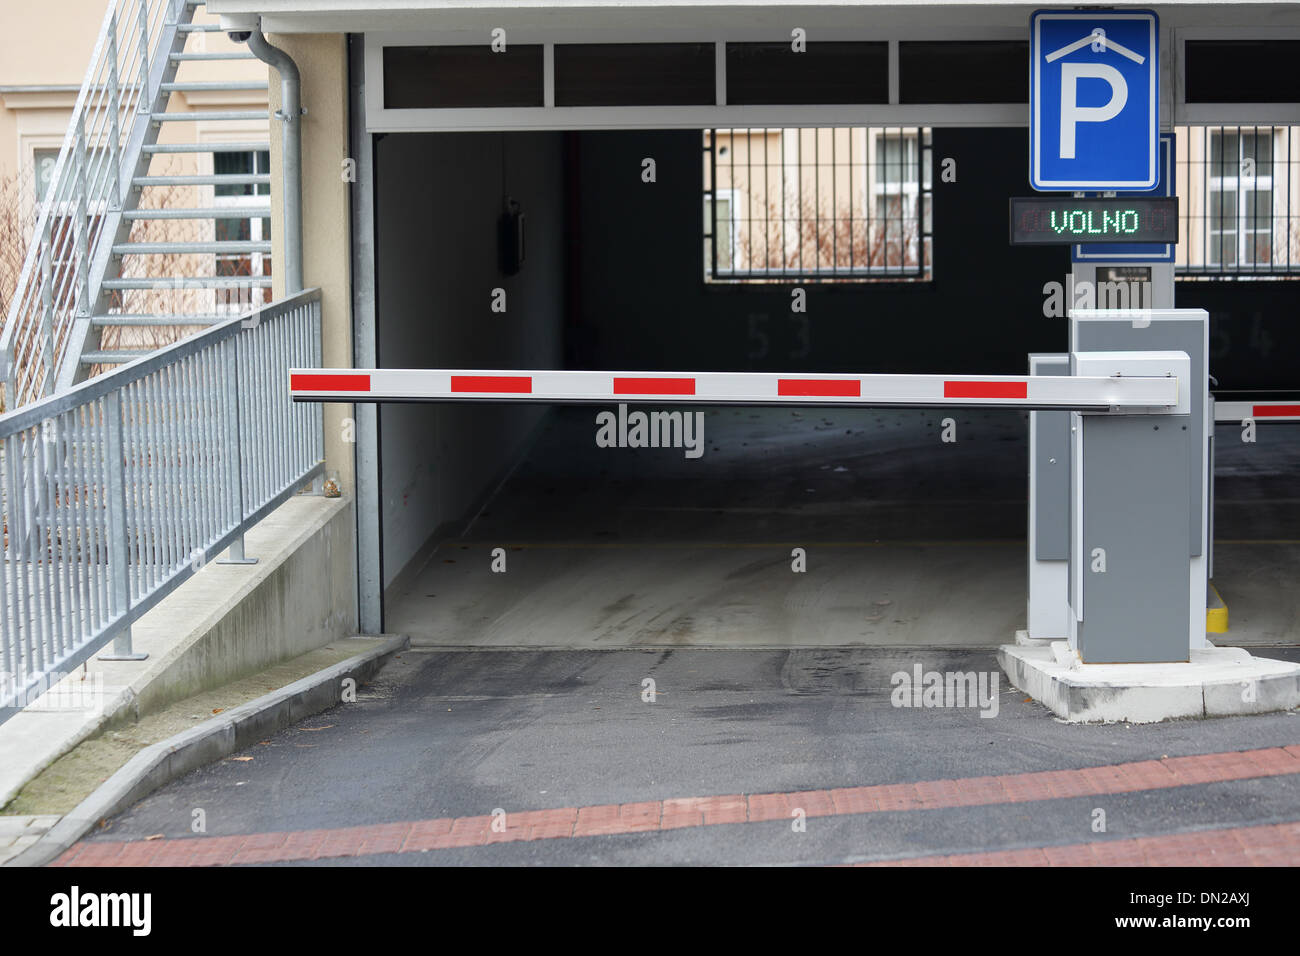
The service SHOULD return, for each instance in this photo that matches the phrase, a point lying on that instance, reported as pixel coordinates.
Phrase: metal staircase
(136, 244)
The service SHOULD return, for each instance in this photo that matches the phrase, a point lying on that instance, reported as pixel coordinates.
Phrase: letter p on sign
(1072, 113)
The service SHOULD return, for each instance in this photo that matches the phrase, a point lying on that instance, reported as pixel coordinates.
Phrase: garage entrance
(650, 249)
(911, 523)
(908, 538)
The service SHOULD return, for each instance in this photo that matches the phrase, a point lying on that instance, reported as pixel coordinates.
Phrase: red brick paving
(613, 818)
(1260, 847)
(385, 838)
(427, 835)
(847, 800)
(95, 854)
(140, 853)
(1267, 845)
(219, 851)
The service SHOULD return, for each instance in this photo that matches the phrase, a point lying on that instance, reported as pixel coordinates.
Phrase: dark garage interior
(908, 539)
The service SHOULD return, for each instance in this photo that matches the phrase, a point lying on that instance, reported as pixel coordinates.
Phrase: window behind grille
(1239, 201)
(819, 204)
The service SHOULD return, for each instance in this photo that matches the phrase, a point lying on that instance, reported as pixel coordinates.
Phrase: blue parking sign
(1094, 107)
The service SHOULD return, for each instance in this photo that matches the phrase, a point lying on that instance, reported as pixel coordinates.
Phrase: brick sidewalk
(610, 819)
(1266, 845)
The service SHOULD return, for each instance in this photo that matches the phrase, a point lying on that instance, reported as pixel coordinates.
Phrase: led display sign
(1041, 220)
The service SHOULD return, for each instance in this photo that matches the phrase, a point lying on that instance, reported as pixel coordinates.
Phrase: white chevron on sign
(1097, 36)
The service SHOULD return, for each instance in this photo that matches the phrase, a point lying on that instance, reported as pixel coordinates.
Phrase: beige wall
(322, 63)
(45, 50)
(50, 44)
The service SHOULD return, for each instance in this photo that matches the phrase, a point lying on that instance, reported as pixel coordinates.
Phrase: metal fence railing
(117, 491)
(76, 218)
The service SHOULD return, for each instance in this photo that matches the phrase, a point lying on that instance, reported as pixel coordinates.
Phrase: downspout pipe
(290, 114)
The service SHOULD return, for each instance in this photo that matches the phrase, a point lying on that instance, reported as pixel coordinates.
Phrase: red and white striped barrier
(733, 388)
(1257, 411)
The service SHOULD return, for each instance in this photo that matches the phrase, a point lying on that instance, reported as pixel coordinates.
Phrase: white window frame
(37, 197)
(254, 234)
(1219, 184)
(732, 196)
(908, 190)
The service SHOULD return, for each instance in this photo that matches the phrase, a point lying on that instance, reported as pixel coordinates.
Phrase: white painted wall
(438, 200)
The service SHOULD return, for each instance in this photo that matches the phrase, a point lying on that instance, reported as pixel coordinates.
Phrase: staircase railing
(120, 489)
(79, 215)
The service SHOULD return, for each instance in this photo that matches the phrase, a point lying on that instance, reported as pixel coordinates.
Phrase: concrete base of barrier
(1217, 682)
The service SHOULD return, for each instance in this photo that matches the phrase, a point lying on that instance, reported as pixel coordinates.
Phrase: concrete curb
(161, 763)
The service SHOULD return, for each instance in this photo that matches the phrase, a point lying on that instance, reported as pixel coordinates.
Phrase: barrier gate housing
(1119, 458)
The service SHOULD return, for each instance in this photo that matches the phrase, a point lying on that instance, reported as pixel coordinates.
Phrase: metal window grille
(817, 204)
(1239, 201)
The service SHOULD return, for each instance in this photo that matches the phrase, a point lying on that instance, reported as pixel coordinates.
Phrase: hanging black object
(510, 237)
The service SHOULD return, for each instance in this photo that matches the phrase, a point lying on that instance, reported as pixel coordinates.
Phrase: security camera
(240, 36)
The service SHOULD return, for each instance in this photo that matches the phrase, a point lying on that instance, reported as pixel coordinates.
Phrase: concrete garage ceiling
(721, 18)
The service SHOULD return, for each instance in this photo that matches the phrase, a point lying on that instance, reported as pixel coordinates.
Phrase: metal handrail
(120, 489)
(37, 412)
(59, 282)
